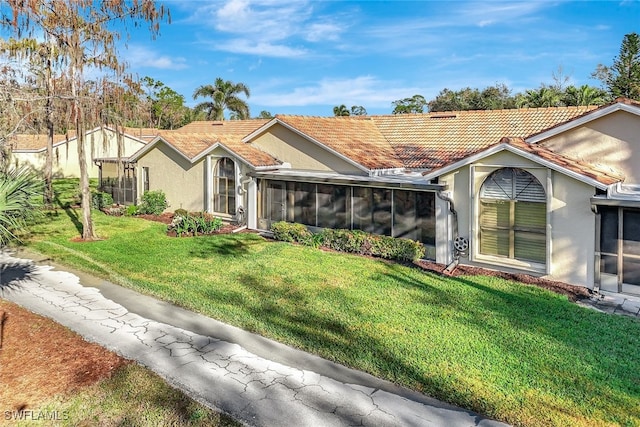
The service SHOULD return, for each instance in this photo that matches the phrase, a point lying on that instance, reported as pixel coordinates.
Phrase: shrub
(194, 224)
(131, 210)
(354, 241)
(153, 202)
(100, 200)
(292, 232)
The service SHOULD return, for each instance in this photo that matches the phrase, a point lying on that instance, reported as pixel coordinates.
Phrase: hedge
(353, 241)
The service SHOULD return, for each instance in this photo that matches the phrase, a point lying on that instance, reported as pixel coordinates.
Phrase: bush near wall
(353, 241)
(100, 200)
(153, 203)
(193, 224)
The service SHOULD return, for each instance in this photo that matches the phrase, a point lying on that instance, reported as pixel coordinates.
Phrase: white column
(208, 184)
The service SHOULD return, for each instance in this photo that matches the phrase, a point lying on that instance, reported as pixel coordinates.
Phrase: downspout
(456, 254)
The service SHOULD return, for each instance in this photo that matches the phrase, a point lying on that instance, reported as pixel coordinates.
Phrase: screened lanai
(398, 206)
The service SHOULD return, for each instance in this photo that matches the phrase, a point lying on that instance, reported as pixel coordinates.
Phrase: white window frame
(478, 173)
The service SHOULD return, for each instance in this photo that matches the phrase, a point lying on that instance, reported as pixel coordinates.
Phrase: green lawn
(134, 397)
(513, 352)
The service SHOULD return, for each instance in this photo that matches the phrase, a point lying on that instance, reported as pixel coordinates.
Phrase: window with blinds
(224, 186)
(513, 216)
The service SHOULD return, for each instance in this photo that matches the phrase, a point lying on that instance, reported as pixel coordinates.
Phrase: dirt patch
(40, 359)
(164, 218)
(573, 292)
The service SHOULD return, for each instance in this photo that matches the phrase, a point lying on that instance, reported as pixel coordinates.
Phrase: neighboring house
(101, 143)
(553, 192)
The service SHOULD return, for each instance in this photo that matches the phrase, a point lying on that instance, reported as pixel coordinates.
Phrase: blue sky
(305, 57)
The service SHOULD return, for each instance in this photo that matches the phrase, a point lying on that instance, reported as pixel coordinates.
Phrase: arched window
(224, 186)
(513, 216)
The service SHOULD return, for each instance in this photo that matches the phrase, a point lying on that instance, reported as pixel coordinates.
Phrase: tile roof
(35, 142)
(242, 127)
(357, 138)
(432, 140)
(193, 140)
(599, 173)
(143, 134)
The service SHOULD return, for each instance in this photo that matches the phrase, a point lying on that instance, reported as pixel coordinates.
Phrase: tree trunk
(48, 165)
(87, 223)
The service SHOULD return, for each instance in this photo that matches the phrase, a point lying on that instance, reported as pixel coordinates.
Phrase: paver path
(224, 375)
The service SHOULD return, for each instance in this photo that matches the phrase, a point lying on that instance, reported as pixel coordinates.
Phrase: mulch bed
(573, 292)
(40, 359)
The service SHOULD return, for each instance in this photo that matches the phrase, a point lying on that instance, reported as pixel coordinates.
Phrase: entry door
(276, 202)
(620, 250)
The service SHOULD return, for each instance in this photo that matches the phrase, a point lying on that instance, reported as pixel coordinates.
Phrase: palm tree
(224, 96)
(340, 110)
(543, 97)
(584, 95)
(20, 197)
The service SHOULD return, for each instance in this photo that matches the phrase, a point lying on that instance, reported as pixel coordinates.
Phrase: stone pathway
(613, 303)
(255, 390)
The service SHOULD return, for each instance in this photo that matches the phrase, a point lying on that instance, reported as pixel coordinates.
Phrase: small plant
(101, 200)
(194, 224)
(131, 210)
(153, 203)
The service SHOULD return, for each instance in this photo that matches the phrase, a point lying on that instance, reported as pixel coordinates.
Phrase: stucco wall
(65, 155)
(182, 183)
(288, 146)
(613, 140)
(571, 222)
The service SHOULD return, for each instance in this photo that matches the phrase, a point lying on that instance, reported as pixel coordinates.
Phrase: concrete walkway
(255, 380)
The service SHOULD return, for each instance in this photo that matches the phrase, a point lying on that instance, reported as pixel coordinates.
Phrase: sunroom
(393, 205)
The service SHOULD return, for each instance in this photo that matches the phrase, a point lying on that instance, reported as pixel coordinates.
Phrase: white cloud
(268, 27)
(140, 56)
(367, 91)
(259, 48)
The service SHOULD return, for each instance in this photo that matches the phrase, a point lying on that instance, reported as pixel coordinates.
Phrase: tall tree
(167, 109)
(341, 110)
(264, 114)
(224, 96)
(490, 98)
(43, 62)
(584, 95)
(544, 96)
(358, 110)
(623, 77)
(415, 104)
(84, 33)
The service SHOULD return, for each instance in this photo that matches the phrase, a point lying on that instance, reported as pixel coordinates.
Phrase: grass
(134, 396)
(510, 351)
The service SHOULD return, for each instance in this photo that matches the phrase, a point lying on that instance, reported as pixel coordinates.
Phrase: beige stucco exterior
(612, 140)
(99, 144)
(570, 221)
(300, 153)
(182, 182)
(186, 184)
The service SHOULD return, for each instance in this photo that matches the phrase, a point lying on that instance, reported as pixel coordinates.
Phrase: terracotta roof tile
(432, 140)
(35, 142)
(240, 127)
(193, 140)
(143, 134)
(602, 174)
(357, 138)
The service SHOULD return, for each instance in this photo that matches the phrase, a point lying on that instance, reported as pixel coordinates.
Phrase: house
(101, 143)
(553, 192)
